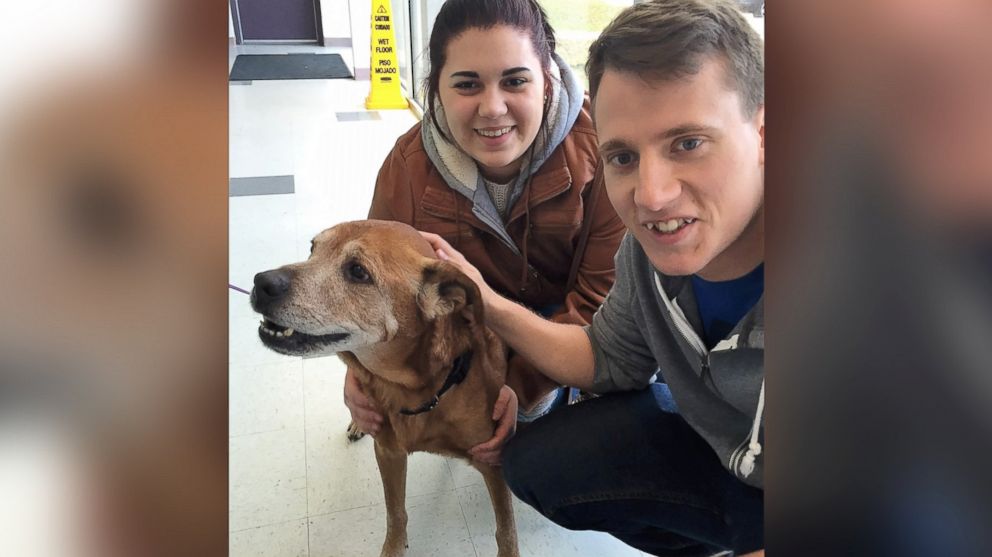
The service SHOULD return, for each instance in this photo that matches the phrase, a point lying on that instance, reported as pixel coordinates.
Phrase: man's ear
(444, 290)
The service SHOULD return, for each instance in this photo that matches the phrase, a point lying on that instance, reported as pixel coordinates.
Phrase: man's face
(685, 170)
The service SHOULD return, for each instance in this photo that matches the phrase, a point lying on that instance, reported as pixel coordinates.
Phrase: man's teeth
(495, 133)
(668, 226)
(282, 334)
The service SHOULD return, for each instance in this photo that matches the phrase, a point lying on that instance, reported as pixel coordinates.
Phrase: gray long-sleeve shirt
(638, 333)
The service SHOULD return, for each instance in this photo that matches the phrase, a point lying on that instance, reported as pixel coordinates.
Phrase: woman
(505, 167)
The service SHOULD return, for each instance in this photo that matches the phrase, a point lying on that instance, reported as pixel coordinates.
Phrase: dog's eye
(358, 273)
(311, 247)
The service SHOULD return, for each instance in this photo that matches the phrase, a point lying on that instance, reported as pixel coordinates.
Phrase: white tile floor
(297, 487)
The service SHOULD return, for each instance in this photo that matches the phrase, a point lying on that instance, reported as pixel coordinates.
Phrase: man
(671, 462)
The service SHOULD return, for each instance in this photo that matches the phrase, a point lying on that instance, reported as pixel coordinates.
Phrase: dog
(411, 327)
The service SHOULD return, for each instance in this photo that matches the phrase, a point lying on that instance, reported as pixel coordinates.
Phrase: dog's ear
(444, 290)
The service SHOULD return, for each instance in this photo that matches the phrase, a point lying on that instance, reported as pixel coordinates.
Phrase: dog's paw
(354, 434)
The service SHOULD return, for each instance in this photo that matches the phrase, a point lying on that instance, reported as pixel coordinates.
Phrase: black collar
(459, 368)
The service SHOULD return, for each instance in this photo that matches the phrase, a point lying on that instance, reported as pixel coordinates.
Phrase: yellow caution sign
(385, 92)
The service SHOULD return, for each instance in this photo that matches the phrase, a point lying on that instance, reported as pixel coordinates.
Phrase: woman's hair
(458, 16)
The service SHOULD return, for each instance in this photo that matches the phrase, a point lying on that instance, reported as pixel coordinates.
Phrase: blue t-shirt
(722, 304)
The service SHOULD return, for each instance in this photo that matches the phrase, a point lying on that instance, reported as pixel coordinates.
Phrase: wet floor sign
(385, 92)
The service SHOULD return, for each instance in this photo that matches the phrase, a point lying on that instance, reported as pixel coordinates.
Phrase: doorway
(277, 22)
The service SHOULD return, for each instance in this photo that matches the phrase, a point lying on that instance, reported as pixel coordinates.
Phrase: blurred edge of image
(113, 233)
(879, 363)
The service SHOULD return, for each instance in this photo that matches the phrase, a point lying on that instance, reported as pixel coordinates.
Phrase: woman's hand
(363, 413)
(505, 413)
(447, 253)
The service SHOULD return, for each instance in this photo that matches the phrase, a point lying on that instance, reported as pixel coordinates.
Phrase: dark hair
(458, 16)
(670, 39)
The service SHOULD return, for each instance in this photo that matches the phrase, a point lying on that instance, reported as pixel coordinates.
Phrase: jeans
(629, 465)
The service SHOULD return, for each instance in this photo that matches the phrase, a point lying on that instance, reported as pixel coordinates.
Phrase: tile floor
(297, 487)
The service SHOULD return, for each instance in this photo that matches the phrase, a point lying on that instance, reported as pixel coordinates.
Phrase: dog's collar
(459, 368)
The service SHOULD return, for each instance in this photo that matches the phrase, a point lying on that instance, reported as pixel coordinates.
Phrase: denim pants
(628, 464)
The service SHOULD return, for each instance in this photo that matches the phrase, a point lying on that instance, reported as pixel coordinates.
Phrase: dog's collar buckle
(459, 369)
(425, 407)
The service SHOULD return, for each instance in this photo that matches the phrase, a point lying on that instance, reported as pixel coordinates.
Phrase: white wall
(230, 23)
(336, 19)
(361, 36)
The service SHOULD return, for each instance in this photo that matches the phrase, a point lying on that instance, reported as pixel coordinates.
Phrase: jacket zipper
(696, 342)
(491, 230)
(682, 324)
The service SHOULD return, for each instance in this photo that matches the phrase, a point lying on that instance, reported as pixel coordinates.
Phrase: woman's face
(492, 89)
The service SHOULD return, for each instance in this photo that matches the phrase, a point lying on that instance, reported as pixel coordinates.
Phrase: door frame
(239, 37)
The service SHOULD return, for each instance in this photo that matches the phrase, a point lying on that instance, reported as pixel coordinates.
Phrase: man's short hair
(670, 39)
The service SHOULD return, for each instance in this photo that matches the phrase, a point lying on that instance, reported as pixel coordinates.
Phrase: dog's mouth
(287, 340)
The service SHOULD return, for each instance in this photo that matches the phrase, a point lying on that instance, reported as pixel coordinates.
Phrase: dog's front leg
(392, 468)
(506, 528)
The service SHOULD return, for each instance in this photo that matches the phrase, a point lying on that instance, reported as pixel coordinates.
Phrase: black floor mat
(249, 67)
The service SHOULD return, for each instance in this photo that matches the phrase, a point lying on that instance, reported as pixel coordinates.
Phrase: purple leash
(242, 290)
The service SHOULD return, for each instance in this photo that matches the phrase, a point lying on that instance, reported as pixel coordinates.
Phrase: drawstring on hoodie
(754, 447)
(458, 221)
(526, 266)
(526, 200)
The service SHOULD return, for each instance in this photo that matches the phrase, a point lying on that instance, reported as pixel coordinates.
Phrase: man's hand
(447, 253)
(363, 413)
(504, 412)
(570, 363)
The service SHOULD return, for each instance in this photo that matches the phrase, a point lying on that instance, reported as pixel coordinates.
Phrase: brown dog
(411, 328)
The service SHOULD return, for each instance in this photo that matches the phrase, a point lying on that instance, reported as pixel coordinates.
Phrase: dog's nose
(271, 285)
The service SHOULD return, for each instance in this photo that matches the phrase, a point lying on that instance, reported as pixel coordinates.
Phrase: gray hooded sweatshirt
(648, 325)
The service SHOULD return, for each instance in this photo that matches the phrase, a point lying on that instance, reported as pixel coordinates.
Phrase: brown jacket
(410, 189)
